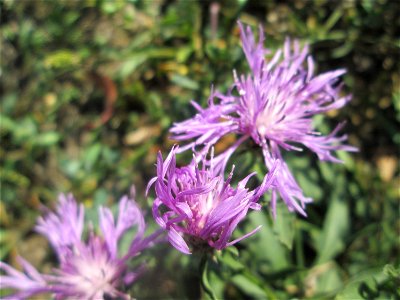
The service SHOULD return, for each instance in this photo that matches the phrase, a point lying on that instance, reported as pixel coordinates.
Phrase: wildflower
(198, 207)
(87, 270)
(273, 106)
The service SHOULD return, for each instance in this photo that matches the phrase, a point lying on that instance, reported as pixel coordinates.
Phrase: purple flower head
(90, 269)
(197, 207)
(273, 106)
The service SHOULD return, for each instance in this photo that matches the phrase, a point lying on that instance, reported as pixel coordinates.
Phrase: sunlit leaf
(284, 225)
(248, 287)
(336, 225)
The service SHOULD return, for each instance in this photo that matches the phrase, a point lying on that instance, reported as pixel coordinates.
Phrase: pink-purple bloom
(273, 106)
(198, 208)
(88, 269)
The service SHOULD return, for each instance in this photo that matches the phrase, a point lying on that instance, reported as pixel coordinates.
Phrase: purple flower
(198, 207)
(273, 106)
(90, 269)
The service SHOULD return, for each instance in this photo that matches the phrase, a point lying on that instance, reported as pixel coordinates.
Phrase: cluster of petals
(274, 106)
(198, 208)
(91, 269)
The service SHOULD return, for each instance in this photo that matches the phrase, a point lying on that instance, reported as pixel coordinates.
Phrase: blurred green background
(90, 89)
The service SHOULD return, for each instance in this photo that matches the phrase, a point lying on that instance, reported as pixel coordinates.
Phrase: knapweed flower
(273, 106)
(198, 208)
(91, 269)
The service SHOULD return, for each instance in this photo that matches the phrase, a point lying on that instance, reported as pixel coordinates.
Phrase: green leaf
(328, 279)
(184, 82)
(61, 59)
(71, 167)
(131, 64)
(336, 225)
(391, 271)
(100, 197)
(309, 184)
(92, 155)
(47, 139)
(264, 245)
(230, 260)
(8, 240)
(348, 160)
(364, 284)
(183, 54)
(12, 176)
(109, 155)
(26, 130)
(333, 19)
(6, 123)
(327, 171)
(212, 284)
(248, 287)
(284, 225)
(111, 7)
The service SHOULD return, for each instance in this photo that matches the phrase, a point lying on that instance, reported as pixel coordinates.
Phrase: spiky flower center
(205, 205)
(91, 272)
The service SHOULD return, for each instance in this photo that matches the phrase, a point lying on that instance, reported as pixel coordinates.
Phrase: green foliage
(90, 89)
(373, 284)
